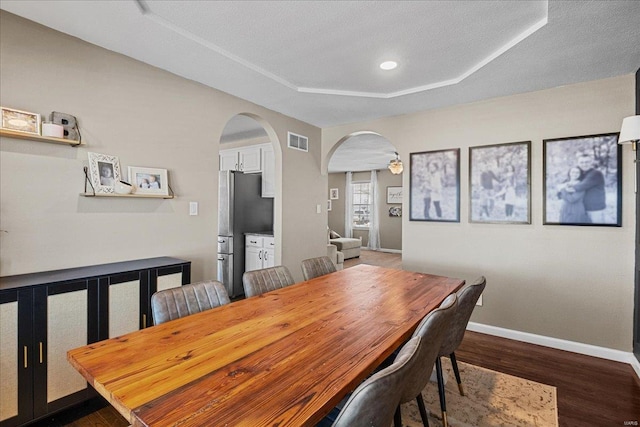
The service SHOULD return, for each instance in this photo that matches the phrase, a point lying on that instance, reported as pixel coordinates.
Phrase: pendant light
(395, 165)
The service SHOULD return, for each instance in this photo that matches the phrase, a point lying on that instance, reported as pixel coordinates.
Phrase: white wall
(567, 282)
(146, 117)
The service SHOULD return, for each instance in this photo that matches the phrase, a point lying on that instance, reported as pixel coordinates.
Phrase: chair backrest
(181, 301)
(316, 267)
(374, 402)
(467, 298)
(257, 282)
(431, 330)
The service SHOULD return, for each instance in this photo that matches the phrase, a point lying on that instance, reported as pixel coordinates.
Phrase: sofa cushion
(346, 243)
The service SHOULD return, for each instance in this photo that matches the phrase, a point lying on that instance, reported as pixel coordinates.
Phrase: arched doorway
(250, 187)
(360, 153)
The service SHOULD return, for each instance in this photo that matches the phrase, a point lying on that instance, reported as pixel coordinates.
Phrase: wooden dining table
(284, 358)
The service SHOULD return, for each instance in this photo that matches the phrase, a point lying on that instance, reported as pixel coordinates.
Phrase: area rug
(491, 399)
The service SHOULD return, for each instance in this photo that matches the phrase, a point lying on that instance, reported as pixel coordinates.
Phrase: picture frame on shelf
(333, 194)
(104, 172)
(583, 180)
(149, 180)
(20, 121)
(394, 195)
(500, 183)
(434, 186)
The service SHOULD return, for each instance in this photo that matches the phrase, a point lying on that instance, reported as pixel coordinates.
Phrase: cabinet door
(250, 159)
(122, 307)
(268, 258)
(65, 317)
(16, 357)
(229, 160)
(268, 172)
(252, 258)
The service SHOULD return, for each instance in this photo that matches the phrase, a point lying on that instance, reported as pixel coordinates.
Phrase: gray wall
(390, 227)
(567, 282)
(147, 117)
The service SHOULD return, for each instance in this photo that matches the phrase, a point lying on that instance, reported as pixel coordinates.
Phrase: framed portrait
(104, 172)
(500, 183)
(583, 180)
(328, 205)
(434, 186)
(395, 211)
(20, 121)
(149, 180)
(394, 195)
(333, 194)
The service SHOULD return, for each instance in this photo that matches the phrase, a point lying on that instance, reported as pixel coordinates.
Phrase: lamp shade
(630, 131)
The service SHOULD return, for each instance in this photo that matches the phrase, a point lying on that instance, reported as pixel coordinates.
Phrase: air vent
(298, 142)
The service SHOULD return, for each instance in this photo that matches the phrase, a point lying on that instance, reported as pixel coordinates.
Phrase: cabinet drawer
(253, 241)
(269, 242)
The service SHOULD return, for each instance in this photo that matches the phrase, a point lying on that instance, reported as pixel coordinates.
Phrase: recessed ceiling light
(388, 65)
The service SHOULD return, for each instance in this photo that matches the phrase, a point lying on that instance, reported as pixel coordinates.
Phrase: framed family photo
(20, 121)
(434, 186)
(104, 172)
(583, 180)
(500, 183)
(149, 180)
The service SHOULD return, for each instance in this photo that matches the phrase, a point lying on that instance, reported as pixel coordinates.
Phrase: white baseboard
(575, 347)
(391, 251)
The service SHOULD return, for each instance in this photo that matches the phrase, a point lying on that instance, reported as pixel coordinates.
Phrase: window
(361, 197)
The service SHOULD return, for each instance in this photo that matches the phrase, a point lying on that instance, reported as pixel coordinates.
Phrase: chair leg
(443, 403)
(454, 363)
(397, 418)
(423, 410)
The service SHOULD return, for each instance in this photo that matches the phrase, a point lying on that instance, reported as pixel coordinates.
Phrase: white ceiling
(317, 61)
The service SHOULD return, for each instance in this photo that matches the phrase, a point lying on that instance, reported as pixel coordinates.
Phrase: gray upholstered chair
(431, 330)
(422, 350)
(377, 399)
(257, 282)
(467, 298)
(316, 267)
(174, 303)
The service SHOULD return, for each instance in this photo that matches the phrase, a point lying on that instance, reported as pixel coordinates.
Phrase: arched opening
(360, 153)
(249, 197)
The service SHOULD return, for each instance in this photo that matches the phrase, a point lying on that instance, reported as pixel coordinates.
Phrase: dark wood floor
(591, 392)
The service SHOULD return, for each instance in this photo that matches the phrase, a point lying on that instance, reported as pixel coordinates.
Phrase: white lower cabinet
(259, 252)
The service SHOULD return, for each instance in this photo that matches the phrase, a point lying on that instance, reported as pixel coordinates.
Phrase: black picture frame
(434, 186)
(500, 183)
(583, 181)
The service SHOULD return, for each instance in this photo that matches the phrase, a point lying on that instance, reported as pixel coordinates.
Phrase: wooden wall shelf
(140, 196)
(21, 135)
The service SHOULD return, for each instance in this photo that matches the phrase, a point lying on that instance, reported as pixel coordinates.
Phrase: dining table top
(283, 358)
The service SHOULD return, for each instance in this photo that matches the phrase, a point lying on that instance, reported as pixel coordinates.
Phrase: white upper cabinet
(245, 159)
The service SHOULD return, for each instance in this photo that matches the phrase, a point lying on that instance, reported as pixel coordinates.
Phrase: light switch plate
(193, 208)
(318, 208)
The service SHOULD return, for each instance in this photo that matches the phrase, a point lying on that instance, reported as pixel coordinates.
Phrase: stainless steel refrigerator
(241, 210)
